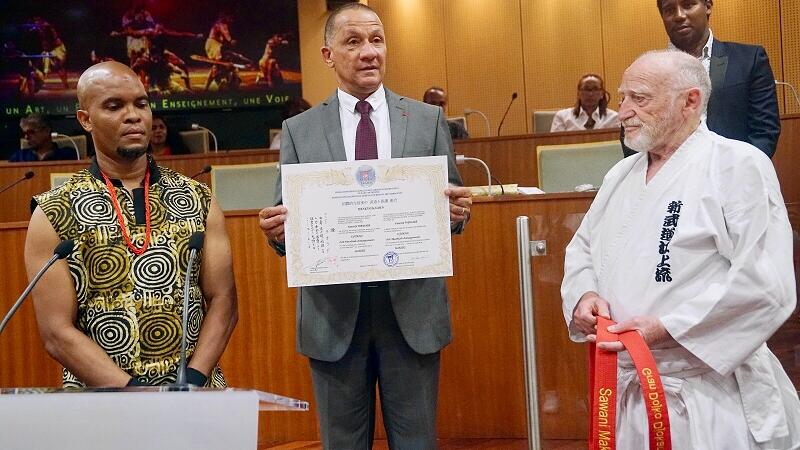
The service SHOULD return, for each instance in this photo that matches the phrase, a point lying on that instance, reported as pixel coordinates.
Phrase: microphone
(28, 175)
(55, 134)
(195, 245)
(205, 169)
(214, 136)
(794, 91)
(513, 97)
(62, 250)
(460, 159)
(468, 111)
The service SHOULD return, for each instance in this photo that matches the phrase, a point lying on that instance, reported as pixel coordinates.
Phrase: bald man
(689, 244)
(111, 313)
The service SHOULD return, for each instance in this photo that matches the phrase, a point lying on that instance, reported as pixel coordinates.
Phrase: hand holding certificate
(361, 221)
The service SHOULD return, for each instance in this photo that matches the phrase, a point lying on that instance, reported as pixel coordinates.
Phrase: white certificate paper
(360, 221)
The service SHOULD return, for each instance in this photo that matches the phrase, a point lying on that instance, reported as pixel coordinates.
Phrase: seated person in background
(591, 109)
(291, 108)
(36, 130)
(164, 143)
(438, 97)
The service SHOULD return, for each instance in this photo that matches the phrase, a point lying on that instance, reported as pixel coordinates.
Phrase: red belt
(603, 385)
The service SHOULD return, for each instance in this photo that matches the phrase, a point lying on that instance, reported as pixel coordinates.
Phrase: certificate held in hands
(361, 221)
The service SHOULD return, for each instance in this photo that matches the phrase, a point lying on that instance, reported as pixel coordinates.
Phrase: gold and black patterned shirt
(131, 305)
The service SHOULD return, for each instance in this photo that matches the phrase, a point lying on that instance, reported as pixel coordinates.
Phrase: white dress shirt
(565, 120)
(379, 116)
(705, 55)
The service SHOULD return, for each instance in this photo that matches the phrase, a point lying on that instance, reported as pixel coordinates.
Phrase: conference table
(482, 390)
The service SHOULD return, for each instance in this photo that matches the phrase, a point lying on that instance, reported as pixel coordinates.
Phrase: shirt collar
(155, 174)
(706, 54)
(348, 103)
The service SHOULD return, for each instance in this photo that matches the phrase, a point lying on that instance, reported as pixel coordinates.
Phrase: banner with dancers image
(195, 55)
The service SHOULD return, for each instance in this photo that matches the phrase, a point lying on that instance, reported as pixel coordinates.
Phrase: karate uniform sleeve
(579, 274)
(727, 322)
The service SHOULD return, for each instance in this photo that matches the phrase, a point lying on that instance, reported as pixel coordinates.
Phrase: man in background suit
(743, 103)
(357, 335)
(438, 97)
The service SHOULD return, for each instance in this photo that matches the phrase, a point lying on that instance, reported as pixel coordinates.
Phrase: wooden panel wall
(537, 48)
(630, 28)
(416, 34)
(753, 22)
(560, 44)
(484, 60)
(319, 82)
(790, 24)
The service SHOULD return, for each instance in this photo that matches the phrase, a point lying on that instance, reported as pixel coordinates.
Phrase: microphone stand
(62, 250)
(794, 91)
(28, 176)
(194, 248)
(213, 136)
(513, 97)
(74, 144)
(206, 169)
(469, 111)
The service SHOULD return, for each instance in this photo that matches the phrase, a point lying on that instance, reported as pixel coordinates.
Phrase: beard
(131, 153)
(648, 134)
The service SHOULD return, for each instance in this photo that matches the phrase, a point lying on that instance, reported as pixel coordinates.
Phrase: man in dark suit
(358, 335)
(743, 103)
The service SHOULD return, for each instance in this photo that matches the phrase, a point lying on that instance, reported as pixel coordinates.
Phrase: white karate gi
(732, 285)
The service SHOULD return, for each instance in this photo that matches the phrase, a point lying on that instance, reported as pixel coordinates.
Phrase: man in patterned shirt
(111, 313)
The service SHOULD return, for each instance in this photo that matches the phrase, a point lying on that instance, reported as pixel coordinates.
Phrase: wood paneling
(629, 29)
(570, 36)
(512, 159)
(790, 26)
(16, 201)
(482, 391)
(752, 22)
(319, 81)
(484, 62)
(488, 49)
(787, 158)
(415, 39)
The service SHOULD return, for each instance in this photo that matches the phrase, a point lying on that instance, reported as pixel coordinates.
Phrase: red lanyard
(113, 193)
(603, 385)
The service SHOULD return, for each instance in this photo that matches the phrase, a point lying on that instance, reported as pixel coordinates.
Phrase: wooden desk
(512, 159)
(482, 392)
(16, 201)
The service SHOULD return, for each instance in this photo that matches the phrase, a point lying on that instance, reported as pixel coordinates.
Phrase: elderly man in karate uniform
(689, 243)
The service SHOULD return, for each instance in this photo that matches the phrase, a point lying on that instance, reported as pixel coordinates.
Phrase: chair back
(195, 140)
(462, 120)
(244, 186)
(563, 167)
(542, 121)
(59, 178)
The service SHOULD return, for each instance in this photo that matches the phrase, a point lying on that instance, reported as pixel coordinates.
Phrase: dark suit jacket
(743, 103)
(326, 315)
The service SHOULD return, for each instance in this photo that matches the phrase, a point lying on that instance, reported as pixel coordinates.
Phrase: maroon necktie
(366, 140)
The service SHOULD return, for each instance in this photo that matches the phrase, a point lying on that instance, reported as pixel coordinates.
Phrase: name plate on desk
(362, 221)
